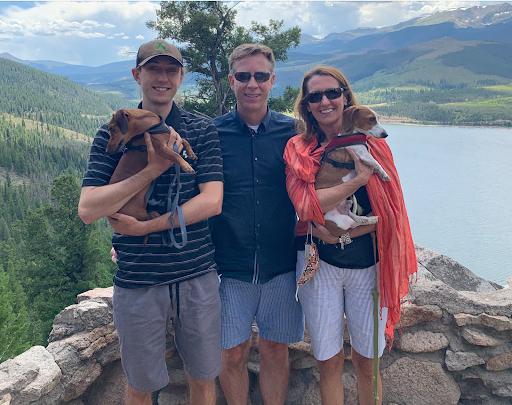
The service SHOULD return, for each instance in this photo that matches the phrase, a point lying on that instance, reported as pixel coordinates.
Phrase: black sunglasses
(244, 77)
(331, 94)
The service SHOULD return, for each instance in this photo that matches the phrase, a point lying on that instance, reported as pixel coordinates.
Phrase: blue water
(457, 189)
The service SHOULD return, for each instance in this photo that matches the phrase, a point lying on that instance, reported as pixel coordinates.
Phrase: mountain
(50, 66)
(480, 22)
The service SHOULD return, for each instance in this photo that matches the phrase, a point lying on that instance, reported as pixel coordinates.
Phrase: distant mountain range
(462, 48)
(482, 23)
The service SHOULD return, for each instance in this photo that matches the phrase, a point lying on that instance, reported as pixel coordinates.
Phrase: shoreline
(395, 120)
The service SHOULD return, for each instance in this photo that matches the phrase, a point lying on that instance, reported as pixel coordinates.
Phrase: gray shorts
(141, 316)
(273, 305)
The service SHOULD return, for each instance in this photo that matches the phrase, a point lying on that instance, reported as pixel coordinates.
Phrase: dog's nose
(384, 134)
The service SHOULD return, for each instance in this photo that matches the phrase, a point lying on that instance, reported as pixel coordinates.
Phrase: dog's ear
(348, 119)
(121, 118)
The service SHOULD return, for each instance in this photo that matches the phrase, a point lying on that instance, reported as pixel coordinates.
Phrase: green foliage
(63, 256)
(285, 102)
(14, 322)
(52, 99)
(210, 34)
(486, 58)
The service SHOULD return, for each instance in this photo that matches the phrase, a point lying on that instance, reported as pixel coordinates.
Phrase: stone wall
(455, 347)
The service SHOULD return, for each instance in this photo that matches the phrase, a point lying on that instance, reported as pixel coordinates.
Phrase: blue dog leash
(172, 206)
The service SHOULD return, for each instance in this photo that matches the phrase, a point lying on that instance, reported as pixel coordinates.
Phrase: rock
(456, 361)
(422, 342)
(177, 377)
(450, 272)
(94, 314)
(173, 396)
(6, 399)
(455, 302)
(312, 396)
(503, 392)
(109, 387)
(475, 337)
(303, 362)
(87, 315)
(30, 375)
(500, 323)
(81, 380)
(415, 315)
(409, 381)
(104, 294)
(500, 362)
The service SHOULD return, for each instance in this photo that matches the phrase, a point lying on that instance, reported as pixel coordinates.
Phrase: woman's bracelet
(344, 240)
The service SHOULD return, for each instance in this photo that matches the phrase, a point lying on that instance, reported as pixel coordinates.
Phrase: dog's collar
(159, 128)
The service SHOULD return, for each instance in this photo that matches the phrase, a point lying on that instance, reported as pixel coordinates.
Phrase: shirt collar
(174, 118)
(240, 122)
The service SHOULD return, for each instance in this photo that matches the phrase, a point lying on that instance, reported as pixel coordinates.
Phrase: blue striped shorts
(332, 294)
(278, 315)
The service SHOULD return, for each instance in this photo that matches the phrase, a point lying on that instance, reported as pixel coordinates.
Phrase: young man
(253, 236)
(154, 282)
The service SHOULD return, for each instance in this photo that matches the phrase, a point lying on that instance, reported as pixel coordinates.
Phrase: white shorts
(333, 293)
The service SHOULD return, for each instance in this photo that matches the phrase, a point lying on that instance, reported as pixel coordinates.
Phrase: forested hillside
(56, 100)
(47, 255)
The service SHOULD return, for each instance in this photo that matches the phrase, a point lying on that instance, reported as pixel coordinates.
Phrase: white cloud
(89, 32)
(126, 52)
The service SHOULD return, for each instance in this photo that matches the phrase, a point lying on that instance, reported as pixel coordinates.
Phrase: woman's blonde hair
(306, 124)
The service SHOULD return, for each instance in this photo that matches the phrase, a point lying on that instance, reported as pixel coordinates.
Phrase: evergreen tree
(209, 34)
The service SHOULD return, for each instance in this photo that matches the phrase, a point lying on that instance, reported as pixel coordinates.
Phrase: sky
(95, 33)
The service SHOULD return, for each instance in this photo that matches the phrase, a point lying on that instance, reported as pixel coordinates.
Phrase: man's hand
(156, 163)
(128, 225)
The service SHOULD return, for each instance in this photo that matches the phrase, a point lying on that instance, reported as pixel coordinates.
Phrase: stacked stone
(82, 342)
(453, 347)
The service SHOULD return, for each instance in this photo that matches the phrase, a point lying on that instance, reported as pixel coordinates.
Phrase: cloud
(126, 52)
(93, 32)
(320, 18)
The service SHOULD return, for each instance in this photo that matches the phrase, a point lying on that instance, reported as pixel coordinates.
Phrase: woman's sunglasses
(244, 77)
(331, 94)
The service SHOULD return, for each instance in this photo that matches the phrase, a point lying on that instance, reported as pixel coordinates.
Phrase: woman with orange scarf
(345, 271)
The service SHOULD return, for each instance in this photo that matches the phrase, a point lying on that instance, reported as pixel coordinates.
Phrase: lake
(457, 191)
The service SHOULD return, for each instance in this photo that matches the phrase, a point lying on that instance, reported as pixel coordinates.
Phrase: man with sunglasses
(253, 236)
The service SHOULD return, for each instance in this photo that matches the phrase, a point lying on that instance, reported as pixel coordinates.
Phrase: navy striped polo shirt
(152, 264)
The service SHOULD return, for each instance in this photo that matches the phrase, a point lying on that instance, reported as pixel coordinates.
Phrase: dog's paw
(153, 215)
(384, 176)
(362, 220)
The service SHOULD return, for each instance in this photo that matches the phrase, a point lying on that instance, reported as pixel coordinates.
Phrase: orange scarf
(396, 248)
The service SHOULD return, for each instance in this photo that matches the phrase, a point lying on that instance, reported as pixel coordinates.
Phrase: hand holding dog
(322, 233)
(156, 163)
(363, 171)
(128, 225)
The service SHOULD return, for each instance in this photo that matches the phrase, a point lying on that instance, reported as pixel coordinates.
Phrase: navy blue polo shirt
(253, 236)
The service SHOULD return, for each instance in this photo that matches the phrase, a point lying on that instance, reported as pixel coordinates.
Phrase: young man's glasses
(244, 77)
(331, 94)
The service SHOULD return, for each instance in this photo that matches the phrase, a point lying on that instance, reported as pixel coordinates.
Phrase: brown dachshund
(126, 126)
(338, 167)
